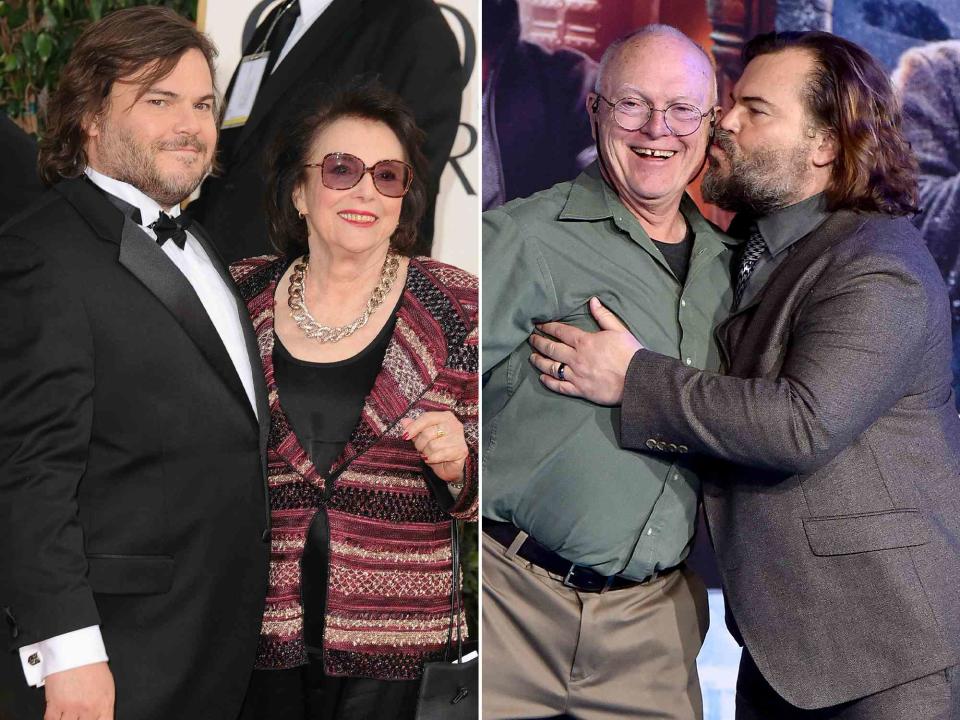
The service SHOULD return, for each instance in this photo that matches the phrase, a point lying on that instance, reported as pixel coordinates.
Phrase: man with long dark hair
(133, 521)
(832, 441)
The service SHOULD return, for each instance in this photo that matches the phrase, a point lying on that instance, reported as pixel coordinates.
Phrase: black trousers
(933, 697)
(306, 693)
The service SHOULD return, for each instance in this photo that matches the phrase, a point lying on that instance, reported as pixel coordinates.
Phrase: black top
(677, 255)
(323, 401)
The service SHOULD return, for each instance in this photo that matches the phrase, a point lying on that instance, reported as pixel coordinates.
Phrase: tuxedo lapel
(742, 333)
(141, 255)
(249, 336)
(147, 262)
(327, 32)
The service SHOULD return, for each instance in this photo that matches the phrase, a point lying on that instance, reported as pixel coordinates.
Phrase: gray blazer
(831, 454)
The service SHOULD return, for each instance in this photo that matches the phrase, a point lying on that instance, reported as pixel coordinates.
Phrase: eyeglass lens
(633, 114)
(342, 171)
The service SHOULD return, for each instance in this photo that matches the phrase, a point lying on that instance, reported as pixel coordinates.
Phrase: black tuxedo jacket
(836, 516)
(19, 182)
(132, 480)
(407, 43)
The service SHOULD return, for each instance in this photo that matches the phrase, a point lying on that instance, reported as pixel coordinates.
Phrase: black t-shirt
(323, 401)
(677, 255)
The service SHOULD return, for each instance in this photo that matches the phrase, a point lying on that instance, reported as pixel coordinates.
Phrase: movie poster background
(913, 39)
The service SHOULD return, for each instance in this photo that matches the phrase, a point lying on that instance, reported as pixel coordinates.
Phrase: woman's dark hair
(849, 93)
(365, 99)
(143, 43)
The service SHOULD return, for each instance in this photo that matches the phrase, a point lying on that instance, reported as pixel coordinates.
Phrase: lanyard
(276, 19)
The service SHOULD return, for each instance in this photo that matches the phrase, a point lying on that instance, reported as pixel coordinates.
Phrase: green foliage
(36, 37)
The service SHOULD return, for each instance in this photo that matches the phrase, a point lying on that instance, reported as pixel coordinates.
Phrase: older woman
(370, 359)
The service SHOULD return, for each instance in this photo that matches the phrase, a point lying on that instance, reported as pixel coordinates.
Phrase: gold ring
(440, 432)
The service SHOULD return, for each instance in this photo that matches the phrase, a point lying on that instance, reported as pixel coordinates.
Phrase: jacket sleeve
(467, 411)
(46, 382)
(466, 502)
(850, 358)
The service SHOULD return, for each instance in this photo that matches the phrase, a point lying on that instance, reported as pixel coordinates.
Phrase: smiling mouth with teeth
(650, 152)
(357, 217)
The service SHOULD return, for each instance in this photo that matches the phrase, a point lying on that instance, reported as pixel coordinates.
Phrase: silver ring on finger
(560, 369)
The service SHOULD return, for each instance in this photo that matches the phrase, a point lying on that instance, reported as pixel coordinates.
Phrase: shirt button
(689, 361)
(649, 531)
(34, 659)
(683, 303)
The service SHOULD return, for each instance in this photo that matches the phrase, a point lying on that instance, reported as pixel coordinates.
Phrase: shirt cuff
(62, 652)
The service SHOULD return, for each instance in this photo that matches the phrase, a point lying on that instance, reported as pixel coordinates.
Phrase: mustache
(182, 142)
(724, 140)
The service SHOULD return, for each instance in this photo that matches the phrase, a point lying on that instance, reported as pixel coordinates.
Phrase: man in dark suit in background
(535, 132)
(133, 514)
(19, 182)
(832, 494)
(313, 44)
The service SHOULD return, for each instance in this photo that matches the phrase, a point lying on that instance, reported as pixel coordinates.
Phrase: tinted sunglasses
(342, 171)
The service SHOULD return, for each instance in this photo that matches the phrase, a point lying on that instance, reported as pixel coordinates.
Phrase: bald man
(588, 608)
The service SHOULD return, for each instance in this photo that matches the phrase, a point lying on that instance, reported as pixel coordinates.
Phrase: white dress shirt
(85, 646)
(310, 10)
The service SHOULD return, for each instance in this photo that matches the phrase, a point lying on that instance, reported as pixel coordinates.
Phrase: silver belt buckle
(566, 578)
(568, 583)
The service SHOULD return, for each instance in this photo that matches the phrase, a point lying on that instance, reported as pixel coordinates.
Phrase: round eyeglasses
(342, 171)
(633, 113)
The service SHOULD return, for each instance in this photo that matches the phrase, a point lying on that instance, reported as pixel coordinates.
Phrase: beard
(765, 181)
(125, 158)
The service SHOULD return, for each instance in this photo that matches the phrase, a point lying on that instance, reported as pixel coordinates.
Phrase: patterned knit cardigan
(388, 595)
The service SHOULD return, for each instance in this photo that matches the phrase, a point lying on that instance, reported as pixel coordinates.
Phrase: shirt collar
(310, 10)
(591, 198)
(783, 228)
(148, 207)
(588, 198)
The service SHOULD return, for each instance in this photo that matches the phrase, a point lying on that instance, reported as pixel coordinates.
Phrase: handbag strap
(456, 594)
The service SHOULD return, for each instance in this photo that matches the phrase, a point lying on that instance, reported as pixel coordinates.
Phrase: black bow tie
(168, 228)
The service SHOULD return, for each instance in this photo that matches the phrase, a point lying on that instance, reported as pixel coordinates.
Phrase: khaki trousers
(549, 649)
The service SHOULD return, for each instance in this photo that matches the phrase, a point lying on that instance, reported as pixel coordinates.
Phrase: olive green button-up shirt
(552, 465)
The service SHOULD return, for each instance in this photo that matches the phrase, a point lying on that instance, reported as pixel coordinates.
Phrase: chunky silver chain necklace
(324, 333)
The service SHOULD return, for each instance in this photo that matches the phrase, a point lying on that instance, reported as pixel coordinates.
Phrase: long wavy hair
(849, 94)
(141, 43)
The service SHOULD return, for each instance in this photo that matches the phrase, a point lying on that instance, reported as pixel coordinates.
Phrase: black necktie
(281, 31)
(751, 254)
(168, 228)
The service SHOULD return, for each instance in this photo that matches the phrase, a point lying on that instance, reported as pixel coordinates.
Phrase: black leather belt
(574, 576)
